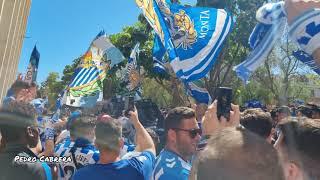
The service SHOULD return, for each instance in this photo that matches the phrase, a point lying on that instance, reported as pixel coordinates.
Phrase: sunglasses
(192, 132)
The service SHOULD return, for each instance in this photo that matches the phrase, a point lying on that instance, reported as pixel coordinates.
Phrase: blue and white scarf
(272, 21)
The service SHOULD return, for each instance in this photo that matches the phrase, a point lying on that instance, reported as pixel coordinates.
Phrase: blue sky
(63, 29)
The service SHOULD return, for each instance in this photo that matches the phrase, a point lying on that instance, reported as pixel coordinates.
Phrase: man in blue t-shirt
(182, 137)
(109, 141)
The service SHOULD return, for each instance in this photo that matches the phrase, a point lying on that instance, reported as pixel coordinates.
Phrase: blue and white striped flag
(200, 94)
(158, 67)
(192, 36)
(158, 50)
(258, 33)
(307, 59)
(272, 21)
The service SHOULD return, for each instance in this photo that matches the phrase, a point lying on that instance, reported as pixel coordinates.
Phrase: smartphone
(128, 105)
(224, 102)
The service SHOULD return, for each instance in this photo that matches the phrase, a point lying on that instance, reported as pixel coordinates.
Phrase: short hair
(257, 121)
(108, 135)
(175, 117)
(81, 126)
(15, 117)
(236, 153)
(301, 141)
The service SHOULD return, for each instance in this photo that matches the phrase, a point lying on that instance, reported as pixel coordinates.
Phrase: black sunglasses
(192, 132)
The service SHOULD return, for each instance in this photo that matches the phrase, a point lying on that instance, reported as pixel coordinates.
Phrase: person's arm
(49, 148)
(51, 128)
(143, 139)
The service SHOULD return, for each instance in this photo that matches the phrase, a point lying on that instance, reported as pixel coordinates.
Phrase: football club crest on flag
(32, 71)
(192, 36)
(87, 85)
(198, 92)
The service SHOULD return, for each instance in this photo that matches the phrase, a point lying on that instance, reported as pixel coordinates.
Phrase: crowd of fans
(193, 143)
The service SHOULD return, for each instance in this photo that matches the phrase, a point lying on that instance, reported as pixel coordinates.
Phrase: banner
(87, 85)
(32, 71)
(132, 76)
(192, 36)
(199, 93)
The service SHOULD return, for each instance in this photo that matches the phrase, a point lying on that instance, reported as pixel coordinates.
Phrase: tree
(271, 82)
(51, 87)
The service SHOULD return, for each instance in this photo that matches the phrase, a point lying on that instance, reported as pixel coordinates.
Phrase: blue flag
(258, 33)
(192, 36)
(158, 50)
(159, 67)
(307, 59)
(32, 71)
(200, 94)
(158, 53)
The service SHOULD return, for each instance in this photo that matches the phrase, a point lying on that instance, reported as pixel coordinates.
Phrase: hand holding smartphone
(128, 105)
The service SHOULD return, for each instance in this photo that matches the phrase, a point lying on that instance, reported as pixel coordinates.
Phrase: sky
(64, 29)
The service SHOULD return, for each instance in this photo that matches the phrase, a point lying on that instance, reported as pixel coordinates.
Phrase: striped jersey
(169, 166)
(84, 153)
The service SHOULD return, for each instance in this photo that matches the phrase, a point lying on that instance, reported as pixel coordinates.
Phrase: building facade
(13, 21)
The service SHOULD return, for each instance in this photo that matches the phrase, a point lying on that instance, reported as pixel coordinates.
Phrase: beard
(186, 149)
